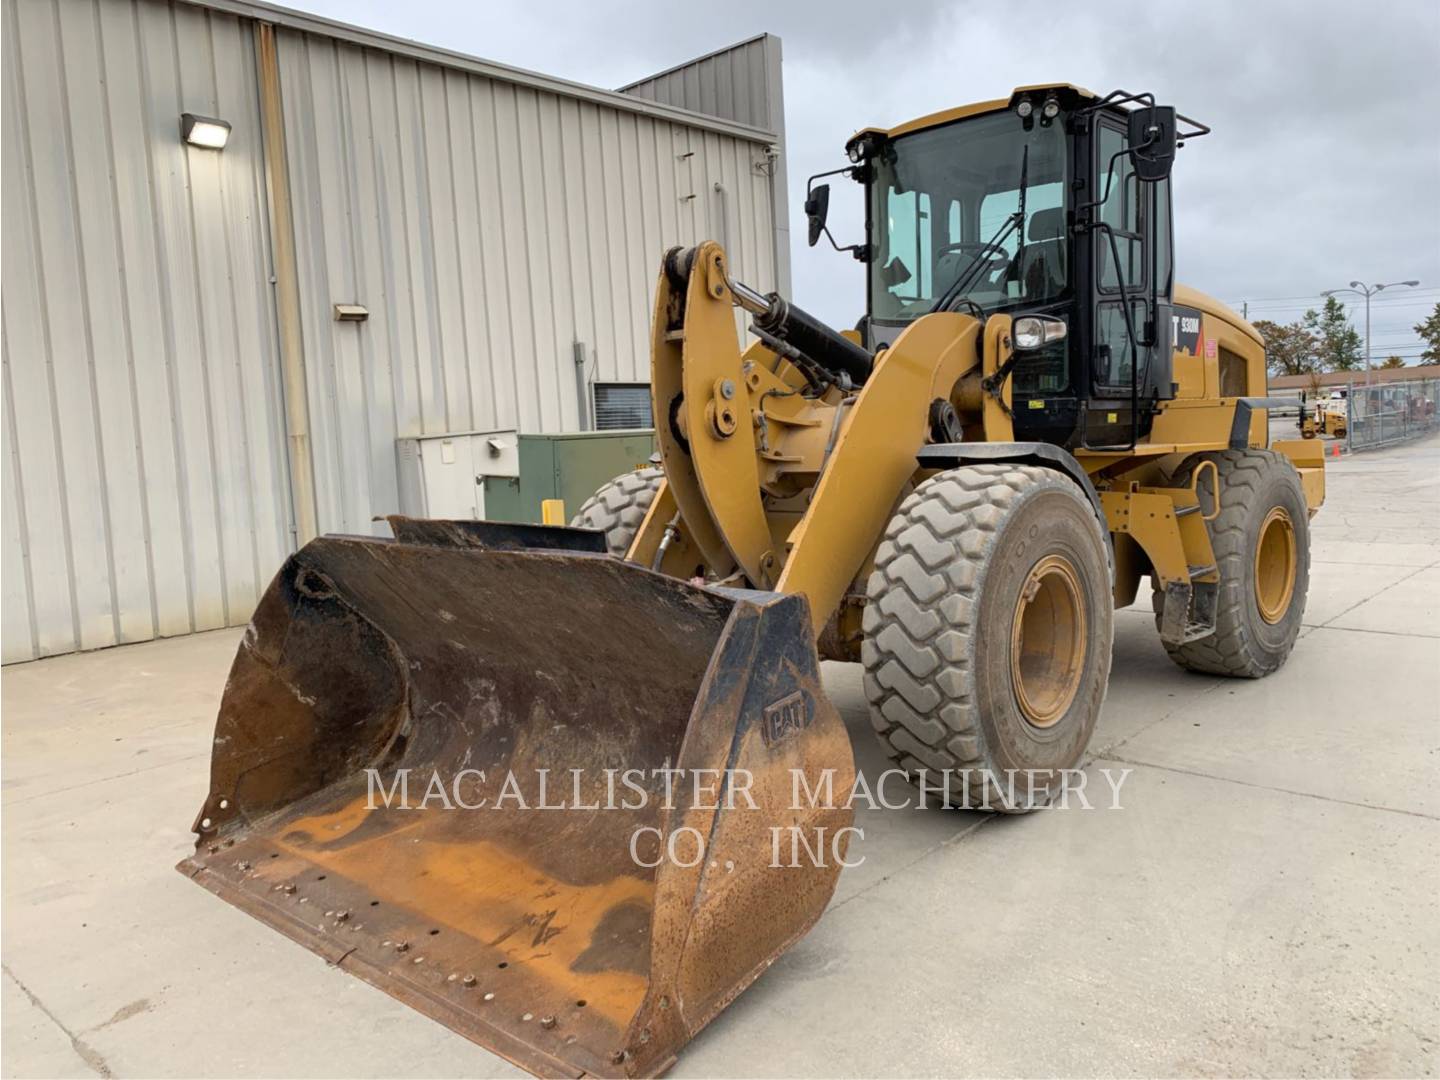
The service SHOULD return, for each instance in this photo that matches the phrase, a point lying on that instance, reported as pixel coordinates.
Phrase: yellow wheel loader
(1031, 418)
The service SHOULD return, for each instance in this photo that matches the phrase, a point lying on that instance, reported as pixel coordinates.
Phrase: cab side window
(911, 242)
(1124, 211)
(1120, 211)
(1116, 357)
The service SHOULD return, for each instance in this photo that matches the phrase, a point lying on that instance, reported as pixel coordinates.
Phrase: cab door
(1131, 254)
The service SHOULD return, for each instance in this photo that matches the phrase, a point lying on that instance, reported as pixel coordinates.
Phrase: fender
(953, 455)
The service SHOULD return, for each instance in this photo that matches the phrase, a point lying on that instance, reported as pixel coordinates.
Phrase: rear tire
(619, 507)
(1261, 602)
(988, 630)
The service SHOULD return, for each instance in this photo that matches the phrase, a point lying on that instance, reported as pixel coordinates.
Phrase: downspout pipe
(287, 287)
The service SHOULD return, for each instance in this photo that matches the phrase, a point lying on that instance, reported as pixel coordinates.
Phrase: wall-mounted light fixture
(205, 131)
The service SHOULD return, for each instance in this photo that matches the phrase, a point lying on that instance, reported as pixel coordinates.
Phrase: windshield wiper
(1014, 221)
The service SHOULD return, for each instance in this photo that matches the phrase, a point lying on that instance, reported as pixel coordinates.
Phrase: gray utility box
(443, 476)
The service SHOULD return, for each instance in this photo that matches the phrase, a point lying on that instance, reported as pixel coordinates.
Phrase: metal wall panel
(487, 225)
(145, 492)
(732, 83)
(488, 219)
(741, 83)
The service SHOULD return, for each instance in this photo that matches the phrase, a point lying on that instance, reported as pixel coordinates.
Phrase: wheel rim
(1047, 641)
(1275, 565)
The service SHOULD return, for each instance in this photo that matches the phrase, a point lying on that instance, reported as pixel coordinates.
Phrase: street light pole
(1367, 291)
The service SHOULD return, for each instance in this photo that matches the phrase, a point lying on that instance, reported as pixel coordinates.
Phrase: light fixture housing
(861, 147)
(1034, 331)
(1049, 110)
(206, 132)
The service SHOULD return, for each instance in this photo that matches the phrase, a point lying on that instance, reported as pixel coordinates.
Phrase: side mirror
(817, 208)
(1152, 142)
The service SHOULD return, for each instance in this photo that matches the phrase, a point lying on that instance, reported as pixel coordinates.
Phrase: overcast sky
(1324, 165)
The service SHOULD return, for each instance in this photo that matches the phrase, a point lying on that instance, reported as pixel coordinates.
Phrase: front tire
(988, 633)
(1261, 539)
(619, 507)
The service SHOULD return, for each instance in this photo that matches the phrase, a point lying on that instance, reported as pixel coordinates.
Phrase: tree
(1290, 349)
(1339, 344)
(1393, 362)
(1429, 332)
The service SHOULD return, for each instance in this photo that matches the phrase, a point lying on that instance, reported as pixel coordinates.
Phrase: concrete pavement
(1264, 903)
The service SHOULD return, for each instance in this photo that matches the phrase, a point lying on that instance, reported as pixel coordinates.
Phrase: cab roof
(946, 116)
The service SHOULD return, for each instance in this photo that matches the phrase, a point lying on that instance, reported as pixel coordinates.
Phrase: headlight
(1024, 107)
(856, 151)
(1033, 331)
(1051, 108)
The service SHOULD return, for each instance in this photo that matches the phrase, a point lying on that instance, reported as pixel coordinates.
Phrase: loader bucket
(440, 763)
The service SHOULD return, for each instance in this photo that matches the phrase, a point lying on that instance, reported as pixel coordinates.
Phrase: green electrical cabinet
(569, 467)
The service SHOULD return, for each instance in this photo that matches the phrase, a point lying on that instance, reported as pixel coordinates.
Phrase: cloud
(1324, 164)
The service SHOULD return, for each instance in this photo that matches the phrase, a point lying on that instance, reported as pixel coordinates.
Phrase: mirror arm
(860, 251)
(848, 170)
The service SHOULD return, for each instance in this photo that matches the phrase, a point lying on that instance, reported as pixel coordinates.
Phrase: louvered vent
(622, 406)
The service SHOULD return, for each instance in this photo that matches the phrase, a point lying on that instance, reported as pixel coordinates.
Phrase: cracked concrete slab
(1319, 727)
(1409, 607)
(1263, 904)
(34, 1039)
(1336, 588)
(1205, 929)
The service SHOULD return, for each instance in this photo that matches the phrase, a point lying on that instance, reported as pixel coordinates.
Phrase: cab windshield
(942, 197)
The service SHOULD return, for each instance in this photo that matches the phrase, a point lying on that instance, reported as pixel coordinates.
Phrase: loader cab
(1035, 205)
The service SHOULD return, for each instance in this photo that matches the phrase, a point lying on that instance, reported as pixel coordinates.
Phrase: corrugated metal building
(741, 83)
(182, 405)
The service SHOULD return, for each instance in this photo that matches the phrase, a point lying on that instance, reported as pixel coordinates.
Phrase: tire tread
(923, 596)
(1231, 651)
(619, 507)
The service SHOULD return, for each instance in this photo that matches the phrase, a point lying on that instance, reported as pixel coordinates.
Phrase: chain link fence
(1384, 413)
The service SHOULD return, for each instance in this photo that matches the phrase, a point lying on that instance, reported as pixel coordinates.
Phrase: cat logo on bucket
(785, 718)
